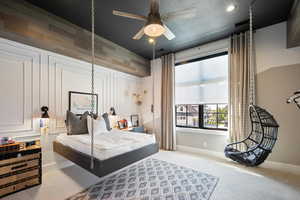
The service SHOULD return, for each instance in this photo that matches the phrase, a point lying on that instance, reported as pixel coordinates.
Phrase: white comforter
(108, 144)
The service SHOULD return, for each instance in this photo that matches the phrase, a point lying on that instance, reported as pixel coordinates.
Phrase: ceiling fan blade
(168, 33)
(139, 35)
(129, 15)
(180, 14)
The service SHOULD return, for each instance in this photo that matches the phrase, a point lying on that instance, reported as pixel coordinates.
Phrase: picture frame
(122, 124)
(134, 120)
(80, 102)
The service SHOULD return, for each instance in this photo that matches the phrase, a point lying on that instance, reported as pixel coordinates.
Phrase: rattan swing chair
(254, 149)
(260, 142)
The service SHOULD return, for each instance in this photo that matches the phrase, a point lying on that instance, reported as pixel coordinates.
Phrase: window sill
(202, 131)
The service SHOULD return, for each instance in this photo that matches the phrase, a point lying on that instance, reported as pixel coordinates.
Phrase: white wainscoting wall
(31, 78)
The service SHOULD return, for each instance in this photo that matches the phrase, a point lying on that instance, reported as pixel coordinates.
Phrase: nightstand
(20, 166)
(139, 129)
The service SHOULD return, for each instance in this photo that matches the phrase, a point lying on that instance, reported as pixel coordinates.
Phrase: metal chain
(93, 84)
(252, 71)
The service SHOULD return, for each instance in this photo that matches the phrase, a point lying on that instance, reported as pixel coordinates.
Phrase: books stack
(6, 140)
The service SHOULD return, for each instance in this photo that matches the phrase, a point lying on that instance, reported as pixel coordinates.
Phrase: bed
(112, 150)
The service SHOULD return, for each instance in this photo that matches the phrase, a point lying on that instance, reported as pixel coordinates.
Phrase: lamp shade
(154, 27)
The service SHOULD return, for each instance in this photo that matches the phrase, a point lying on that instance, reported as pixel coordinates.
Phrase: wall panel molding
(20, 71)
(45, 78)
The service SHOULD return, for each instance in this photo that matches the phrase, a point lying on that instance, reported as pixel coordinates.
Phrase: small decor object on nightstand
(44, 121)
(112, 111)
(122, 124)
(21, 167)
(134, 120)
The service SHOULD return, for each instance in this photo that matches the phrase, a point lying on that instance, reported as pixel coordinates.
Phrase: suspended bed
(106, 152)
(112, 151)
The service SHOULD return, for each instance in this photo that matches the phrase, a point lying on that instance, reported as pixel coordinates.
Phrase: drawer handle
(19, 166)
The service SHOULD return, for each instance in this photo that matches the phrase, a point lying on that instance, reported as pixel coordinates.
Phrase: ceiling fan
(154, 22)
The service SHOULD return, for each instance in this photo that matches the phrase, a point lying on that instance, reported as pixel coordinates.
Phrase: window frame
(201, 106)
(200, 116)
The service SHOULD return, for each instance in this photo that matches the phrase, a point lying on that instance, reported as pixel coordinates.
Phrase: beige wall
(278, 76)
(202, 140)
(274, 86)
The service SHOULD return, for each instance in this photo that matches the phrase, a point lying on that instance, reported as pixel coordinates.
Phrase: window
(202, 93)
(205, 116)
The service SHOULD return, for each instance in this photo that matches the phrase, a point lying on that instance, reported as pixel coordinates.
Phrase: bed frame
(104, 167)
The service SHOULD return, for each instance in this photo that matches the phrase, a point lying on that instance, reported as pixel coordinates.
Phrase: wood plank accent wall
(293, 26)
(25, 23)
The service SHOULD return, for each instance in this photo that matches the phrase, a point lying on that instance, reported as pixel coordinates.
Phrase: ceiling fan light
(230, 8)
(151, 40)
(154, 30)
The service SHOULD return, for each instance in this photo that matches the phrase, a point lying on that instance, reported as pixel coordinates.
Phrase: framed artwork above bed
(80, 102)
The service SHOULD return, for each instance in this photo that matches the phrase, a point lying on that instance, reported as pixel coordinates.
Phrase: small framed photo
(122, 124)
(134, 120)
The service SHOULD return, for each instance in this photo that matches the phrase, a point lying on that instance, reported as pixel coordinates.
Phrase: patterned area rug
(152, 179)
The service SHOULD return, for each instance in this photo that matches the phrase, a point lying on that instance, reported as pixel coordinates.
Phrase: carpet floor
(236, 182)
(152, 179)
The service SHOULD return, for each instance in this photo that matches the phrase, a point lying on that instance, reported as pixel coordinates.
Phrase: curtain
(156, 67)
(241, 81)
(168, 139)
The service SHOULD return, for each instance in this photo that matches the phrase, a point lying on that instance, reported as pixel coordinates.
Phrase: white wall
(31, 78)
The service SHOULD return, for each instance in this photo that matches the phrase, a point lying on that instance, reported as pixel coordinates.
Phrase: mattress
(107, 145)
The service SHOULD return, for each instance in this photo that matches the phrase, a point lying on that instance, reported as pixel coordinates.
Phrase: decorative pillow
(76, 125)
(99, 125)
(106, 119)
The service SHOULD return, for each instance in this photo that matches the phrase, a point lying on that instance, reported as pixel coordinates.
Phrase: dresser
(20, 166)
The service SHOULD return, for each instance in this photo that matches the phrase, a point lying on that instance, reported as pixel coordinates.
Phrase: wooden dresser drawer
(20, 159)
(18, 166)
(19, 186)
(17, 177)
(20, 169)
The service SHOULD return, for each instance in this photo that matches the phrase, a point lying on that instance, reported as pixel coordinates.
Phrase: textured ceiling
(211, 23)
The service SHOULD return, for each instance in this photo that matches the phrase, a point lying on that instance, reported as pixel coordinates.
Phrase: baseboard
(200, 151)
(295, 169)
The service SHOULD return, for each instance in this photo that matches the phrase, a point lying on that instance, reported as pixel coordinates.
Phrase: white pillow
(99, 125)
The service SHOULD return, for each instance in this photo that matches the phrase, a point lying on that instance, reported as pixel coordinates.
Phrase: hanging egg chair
(260, 142)
(254, 150)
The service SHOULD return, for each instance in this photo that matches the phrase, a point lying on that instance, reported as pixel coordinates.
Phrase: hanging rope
(93, 84)
(153, 89)
(252, 71)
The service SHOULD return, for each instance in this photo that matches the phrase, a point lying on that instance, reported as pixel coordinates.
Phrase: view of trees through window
(207, 116)
(201, 93)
